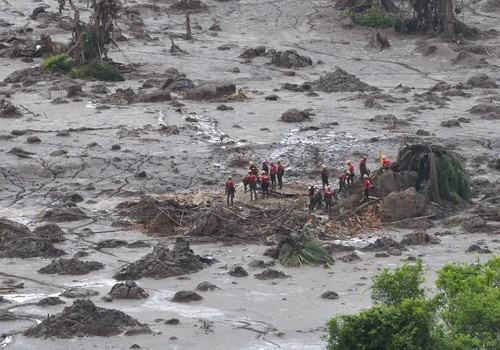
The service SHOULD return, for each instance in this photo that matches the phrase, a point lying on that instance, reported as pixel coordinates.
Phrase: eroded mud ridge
(112, 193)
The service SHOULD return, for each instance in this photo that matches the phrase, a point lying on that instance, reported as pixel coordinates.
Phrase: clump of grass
(57, 63)
(374, 17)
(97, 70)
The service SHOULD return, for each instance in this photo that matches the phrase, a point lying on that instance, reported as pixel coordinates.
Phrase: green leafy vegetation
(97, 70)
(302, 250)
(465, 314)
(57, 63)
(374, 17)
(441, 170)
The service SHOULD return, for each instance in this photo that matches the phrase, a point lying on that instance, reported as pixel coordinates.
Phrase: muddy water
(244, 313)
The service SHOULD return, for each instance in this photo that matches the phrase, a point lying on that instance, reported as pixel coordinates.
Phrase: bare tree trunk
(188, 27)
(446, 10)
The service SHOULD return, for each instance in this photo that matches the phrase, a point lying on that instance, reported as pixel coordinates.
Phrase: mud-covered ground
(110, 153)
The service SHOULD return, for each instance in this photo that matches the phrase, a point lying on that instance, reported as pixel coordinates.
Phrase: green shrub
(57, 63)
(391, 288)
(464, 315)
(97, 70)
(374, 17)
(406, 25)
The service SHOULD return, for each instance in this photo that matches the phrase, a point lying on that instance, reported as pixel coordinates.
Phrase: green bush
(392, 288)
(464, 315)
(374, 17)
(57, 63)
(406, 25)
(97, 70)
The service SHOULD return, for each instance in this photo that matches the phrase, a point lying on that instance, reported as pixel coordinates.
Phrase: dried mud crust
(163, 262)
(83, 318)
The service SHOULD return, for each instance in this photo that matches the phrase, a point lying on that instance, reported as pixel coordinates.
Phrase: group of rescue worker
(271, 177)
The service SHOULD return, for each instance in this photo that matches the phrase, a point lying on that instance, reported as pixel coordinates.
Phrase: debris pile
(290, 59)
(163, 262)
(71, 267)
(83, 318)
(341, 81)
(127, 290)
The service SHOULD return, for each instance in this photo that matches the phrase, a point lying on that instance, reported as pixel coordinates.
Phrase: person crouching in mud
(230, 190)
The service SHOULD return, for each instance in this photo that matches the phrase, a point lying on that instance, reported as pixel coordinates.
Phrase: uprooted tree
(424, 16)
(91, 40)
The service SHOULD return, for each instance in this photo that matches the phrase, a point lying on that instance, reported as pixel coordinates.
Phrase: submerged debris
(341, 81)
(83, 318)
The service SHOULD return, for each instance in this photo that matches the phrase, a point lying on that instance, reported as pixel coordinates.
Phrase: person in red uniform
(324, 176)
(230, 190)
(366, 187)
(264, 179)
(363, 169)
(272, 174)
(265, 167)
(245, 179)
(252, 181)
(280, 171)
(253, 168)
(350, 177)
(343, 181)
(386, 163)
(328, 198)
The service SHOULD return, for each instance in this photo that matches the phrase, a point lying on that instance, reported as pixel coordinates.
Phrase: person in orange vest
(324, 176)
(272, 174)
(280, 171)
(343, 181)
(366, 187)
(252, 181)
(386, 163)
(230, 190)
(328, 198)
(264, 179)
(350, 177)
(245, 179)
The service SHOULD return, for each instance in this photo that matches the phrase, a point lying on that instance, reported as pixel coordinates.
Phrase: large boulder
(294, 115)
(396, 182)
(71, 267)
(290, 59)
(403, 205)
(210, 91)
(10, 230)
(29, 247)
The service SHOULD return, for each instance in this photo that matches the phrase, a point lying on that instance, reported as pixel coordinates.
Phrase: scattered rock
(419, 237)
(224, 108)
(253, 52)
(341, 81)
(188, 6)
(154, 96)
(269, 274)
(421, 132)
(238, 271)
(210, 91)
(64, 214)
(350, 257)
(50, 301)
(261, 264)
(10, 230)
(402, 205)
(7, 316)
(475, 224)
(290, 59)
(71, 267)
(162, 263)
(111, 243)
(381, 255)
(21, 153)
(186, 296)
(51, 232)
(293, 115)
(474, 248)
(28, 247)
(394, 251)
(485, 108)
(272, 98)
(78, 292)
(63, 133)
(127, 290)
(331, 295)
(383, 244)
(74, 90)
(216, 28)
(482, 80)
(83, 318)
(8, 110)
(450, 123)
(172, 321)
(206, 286)
(59, 101)
(80, 254)
(121, 97)
(33, 139)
